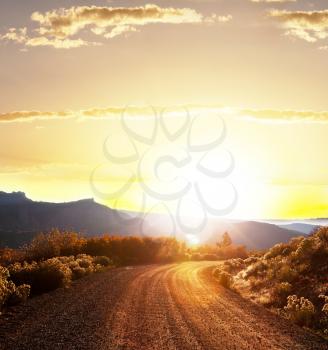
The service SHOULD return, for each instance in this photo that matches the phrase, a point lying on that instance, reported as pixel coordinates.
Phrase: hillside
(21, 218)
(301, 227)
(253, 234)
(291, 278)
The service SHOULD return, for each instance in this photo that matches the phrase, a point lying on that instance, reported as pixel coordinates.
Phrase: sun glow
(192, 240)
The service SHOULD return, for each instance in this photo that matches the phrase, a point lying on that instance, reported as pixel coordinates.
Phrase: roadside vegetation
(290, 278)
(56, 259)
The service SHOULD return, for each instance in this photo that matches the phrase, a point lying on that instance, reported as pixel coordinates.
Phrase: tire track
(155, 307)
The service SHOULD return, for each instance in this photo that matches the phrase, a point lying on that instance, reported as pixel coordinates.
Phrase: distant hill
(252, 234)
(21, 219)
(300, 227)
(259, 235)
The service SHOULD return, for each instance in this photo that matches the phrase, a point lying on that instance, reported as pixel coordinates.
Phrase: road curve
(176, 306)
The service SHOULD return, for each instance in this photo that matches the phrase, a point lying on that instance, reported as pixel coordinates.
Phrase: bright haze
(70, 69)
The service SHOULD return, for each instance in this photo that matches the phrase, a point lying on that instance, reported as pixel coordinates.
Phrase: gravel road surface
(164, 307)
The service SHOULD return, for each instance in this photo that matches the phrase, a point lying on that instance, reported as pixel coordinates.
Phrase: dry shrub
(9, 256)
(280, 292)
(56, 272)
(300, 310)
(325, 306)
(231, 252)
(6, 286)
(20, 294)
(299, 266)
(233, 265)
(9, 293)
(54, 244)
(42, 277)
(196, 257)
(210, 257)
(224, 278)
(102, 260)
(137, 250)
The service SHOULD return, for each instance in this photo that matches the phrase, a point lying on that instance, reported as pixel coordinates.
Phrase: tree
(225, 241)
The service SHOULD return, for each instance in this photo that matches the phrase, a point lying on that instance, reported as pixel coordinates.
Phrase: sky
(79, 78)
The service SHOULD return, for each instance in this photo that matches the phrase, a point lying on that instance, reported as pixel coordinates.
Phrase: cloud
(58, 28)
(260, 115)
(310, 26)
(269, 115)
(30, 115)
(109, 112)
(20, 36)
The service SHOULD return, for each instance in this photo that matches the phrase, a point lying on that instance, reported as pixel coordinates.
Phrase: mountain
(300, 227)
(252, 234)
(259, 235)
(13, 198)
(21, 219)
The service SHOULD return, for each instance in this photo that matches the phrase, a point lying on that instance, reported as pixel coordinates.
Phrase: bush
(102, 260)
(224, 278)
(280, 293)
(20, 294)
(9, 256)
(42, 277)
(6, 287)
(286, 274)
(54, 244)
(325, 306)
(233, 265)
(9, 293)
(300, 310)
(50, 275)
(196, 257)
(297, 266)
(210, 257)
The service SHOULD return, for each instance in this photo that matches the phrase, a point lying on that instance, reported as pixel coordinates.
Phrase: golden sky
(70, 69)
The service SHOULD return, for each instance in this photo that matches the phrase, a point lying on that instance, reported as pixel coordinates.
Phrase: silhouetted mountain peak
(13, 198)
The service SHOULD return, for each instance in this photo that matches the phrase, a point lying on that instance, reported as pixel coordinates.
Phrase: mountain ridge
(22, 218)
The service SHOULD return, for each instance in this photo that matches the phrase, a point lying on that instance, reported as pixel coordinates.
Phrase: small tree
(225, 241)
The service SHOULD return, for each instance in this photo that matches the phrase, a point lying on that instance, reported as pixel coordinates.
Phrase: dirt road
(149, 307)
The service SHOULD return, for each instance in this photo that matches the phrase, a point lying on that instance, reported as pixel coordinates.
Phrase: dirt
(178, 306)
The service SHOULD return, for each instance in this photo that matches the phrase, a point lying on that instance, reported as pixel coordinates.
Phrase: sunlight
(192, 240)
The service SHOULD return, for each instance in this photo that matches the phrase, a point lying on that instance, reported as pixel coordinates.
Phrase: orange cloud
(143, 111)
(310, 26)
(57, 27)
